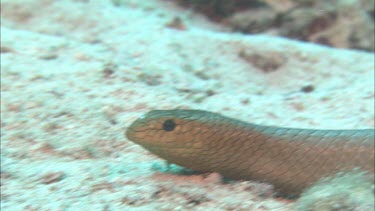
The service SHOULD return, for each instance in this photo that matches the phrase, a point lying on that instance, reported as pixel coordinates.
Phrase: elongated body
(289, 158)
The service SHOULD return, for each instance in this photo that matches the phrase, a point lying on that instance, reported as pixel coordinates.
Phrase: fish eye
(169, 125)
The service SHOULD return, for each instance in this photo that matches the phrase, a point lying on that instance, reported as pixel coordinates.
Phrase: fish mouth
(134, 128)
(129, 133)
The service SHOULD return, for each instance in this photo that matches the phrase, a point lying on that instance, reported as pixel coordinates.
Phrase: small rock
(53, 177)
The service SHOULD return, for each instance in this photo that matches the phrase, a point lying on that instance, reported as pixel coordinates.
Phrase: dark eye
(169, 125)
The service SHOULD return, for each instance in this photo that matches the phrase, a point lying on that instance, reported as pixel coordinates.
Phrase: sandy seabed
(75, 74)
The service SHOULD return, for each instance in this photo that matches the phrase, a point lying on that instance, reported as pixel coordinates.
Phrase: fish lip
(133, 125)
(128, 133)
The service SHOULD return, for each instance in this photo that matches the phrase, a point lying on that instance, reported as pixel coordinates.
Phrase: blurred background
(76, 73)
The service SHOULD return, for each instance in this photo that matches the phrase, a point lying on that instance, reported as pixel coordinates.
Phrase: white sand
(75, 74)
